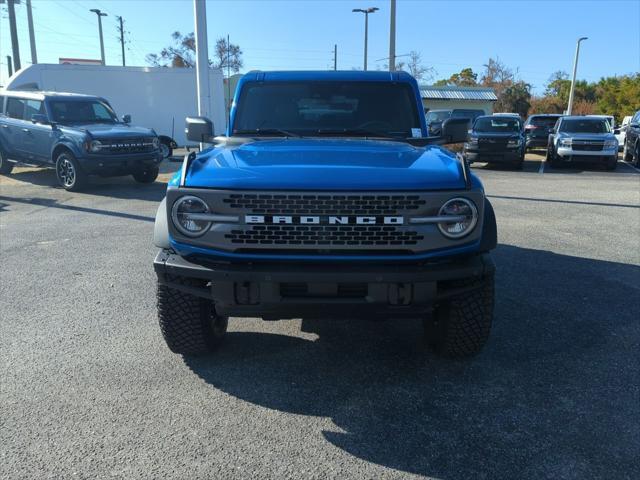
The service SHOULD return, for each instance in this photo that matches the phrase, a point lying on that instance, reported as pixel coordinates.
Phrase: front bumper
(119, 164)
(535, 142)
(280, 290)
(567, 154)
(498, 156)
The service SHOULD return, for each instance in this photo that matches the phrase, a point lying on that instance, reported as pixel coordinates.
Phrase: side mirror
(616, 131)
(39, 118)
(126, 118)
(455, 130)
(199, 129)
(634, 125)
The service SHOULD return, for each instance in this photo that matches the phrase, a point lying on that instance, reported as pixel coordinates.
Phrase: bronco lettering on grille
(326, 219)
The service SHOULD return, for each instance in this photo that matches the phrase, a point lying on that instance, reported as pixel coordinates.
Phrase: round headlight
(182, 214)
(155, 142)
(95, 145)
(464, 217)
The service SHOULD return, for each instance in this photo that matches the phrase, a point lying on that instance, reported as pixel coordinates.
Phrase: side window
(636, 118)
(100, 112)
(33, 107)
(15, 108)
(1, 105)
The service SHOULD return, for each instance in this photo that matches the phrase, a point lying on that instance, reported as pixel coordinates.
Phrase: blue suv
(78, 134)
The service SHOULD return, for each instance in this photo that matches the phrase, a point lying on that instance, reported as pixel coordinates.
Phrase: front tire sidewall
(148, 175)
(5, 165)
(69, 174)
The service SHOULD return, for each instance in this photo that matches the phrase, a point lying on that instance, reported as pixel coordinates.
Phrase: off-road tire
(460, 327)
(80, 179)
(188, 323)
(165, 148)
(5, 165)
(147, 175)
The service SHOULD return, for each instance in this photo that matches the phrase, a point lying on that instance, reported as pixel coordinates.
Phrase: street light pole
(392, 37)
(100, 15)
(573, 79)
(366, 12)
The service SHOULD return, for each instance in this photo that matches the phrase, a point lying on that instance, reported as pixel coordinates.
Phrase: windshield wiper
(359, 132)
(266, 131)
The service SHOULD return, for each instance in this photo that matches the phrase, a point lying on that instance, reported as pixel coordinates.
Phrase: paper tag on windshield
(416, 133)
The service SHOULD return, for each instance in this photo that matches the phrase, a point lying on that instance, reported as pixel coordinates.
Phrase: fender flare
(168, 140)
(489, 239)
(161, 226)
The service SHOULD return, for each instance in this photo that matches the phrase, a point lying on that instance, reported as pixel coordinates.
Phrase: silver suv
(582, 139)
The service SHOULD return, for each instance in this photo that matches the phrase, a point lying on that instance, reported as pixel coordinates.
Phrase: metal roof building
(435, 98)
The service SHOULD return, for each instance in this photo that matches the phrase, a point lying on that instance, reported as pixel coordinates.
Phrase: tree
(182, 54)
(417, 69)
(466, 78)
(497, 74)
(515, 98)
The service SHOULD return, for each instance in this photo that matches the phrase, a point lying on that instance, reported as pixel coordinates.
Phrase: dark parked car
(537, 129)
(496, 139)
(435, 118)
(631, 152)
(78, 134)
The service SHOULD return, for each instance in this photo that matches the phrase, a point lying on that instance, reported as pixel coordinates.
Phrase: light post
(573, 80)
(100, 15)
(366, 12)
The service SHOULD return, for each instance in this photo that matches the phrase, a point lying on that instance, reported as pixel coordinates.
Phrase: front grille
(128, 145)
(587, 146)
(340, 290)
(327, 235)
(492, 144)
(323, 204)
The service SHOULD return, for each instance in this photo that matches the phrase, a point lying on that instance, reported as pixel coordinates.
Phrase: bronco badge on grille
(317, 220)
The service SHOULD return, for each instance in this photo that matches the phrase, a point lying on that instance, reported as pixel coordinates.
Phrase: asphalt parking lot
(88, 388)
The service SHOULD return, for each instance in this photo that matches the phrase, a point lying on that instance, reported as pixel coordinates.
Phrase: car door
(39, 137)
(13, 126)
(633, 131)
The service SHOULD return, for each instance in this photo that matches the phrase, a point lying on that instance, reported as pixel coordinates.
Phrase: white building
(438, 98)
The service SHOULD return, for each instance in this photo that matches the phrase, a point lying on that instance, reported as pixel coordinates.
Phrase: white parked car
(622, 135)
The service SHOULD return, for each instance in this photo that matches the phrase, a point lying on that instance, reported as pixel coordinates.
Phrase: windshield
(326, 108)
(548, 122)
(435, 116)
(471, 114)
(497, 125)
(585, 126)
(86, 111)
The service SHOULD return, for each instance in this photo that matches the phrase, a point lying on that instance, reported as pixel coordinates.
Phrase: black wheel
(148, 175)
(189, 324)
(68, 172)
(460, 326)
(165, 148)
(611, 164)
(520, 163)
(5, 165)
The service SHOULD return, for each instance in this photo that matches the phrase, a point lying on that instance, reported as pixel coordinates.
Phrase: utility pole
(228, 80)
(202, 59)
(366, 28)
(14, 35)
(121, 30)
(392, 37)
(335, 57)
(100, 15)
(573, 79)
(32, 35)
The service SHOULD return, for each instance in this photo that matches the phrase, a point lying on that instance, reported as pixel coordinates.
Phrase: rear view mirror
(455, 130)
(39, 118)
(616, 131)
(199, 129)
(126, 118)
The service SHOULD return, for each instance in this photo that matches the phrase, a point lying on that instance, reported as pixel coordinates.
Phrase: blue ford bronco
(79, 135)
(325, 197)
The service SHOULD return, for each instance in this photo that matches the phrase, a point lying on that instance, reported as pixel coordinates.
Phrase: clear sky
(536, 37)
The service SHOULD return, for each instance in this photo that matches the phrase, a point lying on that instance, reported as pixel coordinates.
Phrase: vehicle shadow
(553, 395)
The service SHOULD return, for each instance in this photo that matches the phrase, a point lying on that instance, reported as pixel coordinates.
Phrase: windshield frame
(497, 118)
(104, 103)
(324, 131)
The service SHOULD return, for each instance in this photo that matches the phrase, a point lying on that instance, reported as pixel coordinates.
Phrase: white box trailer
(155, 97)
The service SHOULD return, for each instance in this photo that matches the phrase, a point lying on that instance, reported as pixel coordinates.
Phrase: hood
(111, 130)
(587, 136)
(496, 135)
(326, 164)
